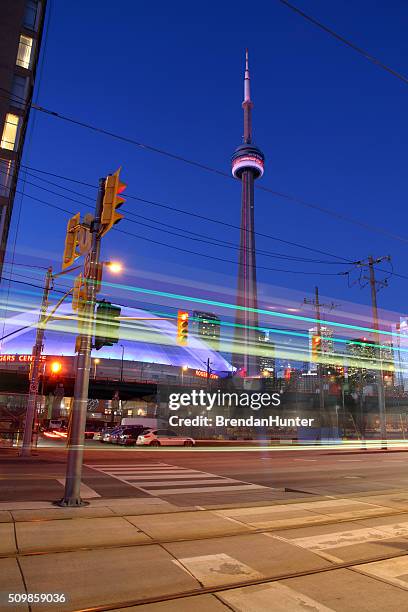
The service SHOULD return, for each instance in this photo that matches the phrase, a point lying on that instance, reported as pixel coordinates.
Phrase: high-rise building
(247, 166)
(266, 352)
(364, 361)
(207, 326)
(21, 26)
(400, 342)
(324, 349)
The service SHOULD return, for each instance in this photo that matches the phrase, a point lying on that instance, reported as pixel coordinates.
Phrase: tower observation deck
(247, 166)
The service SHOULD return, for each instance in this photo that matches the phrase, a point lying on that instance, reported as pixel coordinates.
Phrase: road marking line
(85, 491)
(162, 483)
(168, 476)
(202, 489)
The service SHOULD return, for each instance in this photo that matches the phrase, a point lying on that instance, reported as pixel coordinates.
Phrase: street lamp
(114, 266)
(184, 368)
(96, 361)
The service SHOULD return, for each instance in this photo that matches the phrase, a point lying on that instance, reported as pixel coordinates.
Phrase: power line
(200, 236)
(212, 220)
(188, 251)
(299, 245)
(346, 42)
(216, 171)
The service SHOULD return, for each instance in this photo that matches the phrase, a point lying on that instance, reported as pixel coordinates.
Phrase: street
(205, 476)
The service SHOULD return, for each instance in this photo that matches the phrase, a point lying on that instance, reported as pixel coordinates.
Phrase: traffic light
(56, 367)
(182, 327)
(111, 201)
(71, 241)
(316, 347)
(79, 295)
(106, 325)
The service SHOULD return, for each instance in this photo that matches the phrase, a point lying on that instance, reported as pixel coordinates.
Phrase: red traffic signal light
(111, 201)
(182, 327)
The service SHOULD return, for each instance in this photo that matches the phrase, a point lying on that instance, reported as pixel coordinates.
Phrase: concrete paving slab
(137, 510)
(347, 591)
(198, 603)
(399, 500)
(213, 570)
(261, 554)
(342, 545)
(394, 571)
(7, 539)
(271, 596)
(11, 581)
(273, 516)
(47, 514)
(76, 533)
(96, 578)
(395, 526)
(5, 517)
(187, 525)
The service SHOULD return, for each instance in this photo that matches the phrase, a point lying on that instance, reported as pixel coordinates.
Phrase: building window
(6, 176)
(30, 14)
(19, 91)
(10, 132)
(25, 48)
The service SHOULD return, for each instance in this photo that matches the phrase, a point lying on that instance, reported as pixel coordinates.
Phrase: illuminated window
(6, 175)
(25, 48)
(10, 130)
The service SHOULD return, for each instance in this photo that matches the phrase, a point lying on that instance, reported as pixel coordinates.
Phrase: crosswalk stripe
(204, 489)
(167, 483)
(169, 476)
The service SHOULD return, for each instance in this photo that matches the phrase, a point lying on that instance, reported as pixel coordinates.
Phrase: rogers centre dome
(152, 341)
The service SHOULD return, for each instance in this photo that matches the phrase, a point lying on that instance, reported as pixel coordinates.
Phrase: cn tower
(247, 166)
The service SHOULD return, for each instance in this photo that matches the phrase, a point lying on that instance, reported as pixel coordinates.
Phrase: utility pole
(72, 495)
(35, 369)
(369, 263)
(380, 380)
(318, 305)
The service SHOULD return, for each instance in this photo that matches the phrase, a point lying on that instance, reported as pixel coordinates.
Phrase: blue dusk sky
(333, 128)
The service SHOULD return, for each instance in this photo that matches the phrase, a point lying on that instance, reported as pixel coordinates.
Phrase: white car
(163, 437)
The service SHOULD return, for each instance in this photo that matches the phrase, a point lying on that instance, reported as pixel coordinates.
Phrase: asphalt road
(204, 476)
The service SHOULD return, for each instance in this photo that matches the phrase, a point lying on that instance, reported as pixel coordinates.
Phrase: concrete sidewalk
(115, 554)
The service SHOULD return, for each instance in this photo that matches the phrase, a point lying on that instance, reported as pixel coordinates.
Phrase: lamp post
(184, 368)
(96, 361)
(121, 363)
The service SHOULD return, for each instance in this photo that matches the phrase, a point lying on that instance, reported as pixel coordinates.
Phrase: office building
(21, 27)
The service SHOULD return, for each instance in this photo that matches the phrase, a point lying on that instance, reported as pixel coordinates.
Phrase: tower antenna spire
(247, 166)
(247, 104)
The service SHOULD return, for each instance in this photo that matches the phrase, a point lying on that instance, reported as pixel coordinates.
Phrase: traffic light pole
(380, 380)
(319, 364)
(35, 370)
(72, 494)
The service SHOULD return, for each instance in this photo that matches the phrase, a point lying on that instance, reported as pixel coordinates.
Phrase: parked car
(114, 435)
(129, 435)
(98, 435)
(108, 433)
(163, 437)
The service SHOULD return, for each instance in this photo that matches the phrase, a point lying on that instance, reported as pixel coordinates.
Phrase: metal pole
(72, 494)
(319, 365)
(35, 368)
(380, 381)
(121, 364)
